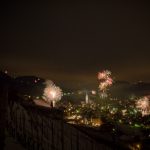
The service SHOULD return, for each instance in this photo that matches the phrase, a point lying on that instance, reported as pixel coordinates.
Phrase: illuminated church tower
(86, 98)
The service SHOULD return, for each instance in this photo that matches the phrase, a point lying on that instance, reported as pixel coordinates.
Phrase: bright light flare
(93, 92)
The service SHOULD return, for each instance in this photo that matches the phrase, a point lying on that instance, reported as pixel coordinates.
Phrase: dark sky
(72, 42)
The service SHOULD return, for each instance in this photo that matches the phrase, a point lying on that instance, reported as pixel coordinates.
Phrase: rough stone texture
(3, 108)
(38, 130)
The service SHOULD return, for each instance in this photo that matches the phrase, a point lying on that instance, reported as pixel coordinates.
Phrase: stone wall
(43, 129)
(4, 88)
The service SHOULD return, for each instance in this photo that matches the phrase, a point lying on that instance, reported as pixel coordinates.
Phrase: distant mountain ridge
(34, 85)
(126, 88)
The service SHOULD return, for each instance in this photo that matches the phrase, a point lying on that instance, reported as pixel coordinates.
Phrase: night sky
(69, 42)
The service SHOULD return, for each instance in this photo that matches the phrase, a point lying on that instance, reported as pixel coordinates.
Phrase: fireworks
(52, 93)
(104, 74)
(109, 81)
(103, 86)
(105, 80)
(143, 105)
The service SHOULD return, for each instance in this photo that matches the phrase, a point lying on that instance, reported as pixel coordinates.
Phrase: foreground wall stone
(39, 128)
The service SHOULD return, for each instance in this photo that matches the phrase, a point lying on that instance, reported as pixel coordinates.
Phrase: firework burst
(104, 74)
(52, 93)
(143, 105)
(105, 80)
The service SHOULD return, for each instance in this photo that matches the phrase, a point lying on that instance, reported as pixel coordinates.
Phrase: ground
(12, 144)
